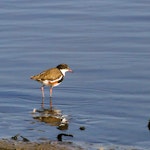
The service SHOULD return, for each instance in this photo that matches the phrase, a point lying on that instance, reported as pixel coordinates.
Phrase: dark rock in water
(82, 128)
(59, 136)
(148, 125)
(15, 137)
(24, 139)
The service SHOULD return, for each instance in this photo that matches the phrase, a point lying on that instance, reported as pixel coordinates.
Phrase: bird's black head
(63, 66)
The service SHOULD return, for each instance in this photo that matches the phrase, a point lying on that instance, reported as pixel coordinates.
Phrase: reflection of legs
(42, 104)
(51, 91)
(50, 102)
(42, 89)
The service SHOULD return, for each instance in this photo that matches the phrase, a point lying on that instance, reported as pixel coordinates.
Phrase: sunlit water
(106, 43)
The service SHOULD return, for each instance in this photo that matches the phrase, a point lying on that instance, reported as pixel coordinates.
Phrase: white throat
(63, 71)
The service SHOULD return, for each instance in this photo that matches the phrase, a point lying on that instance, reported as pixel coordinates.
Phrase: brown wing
(50, 74)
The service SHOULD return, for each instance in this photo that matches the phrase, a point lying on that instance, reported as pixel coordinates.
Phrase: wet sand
(47, 145)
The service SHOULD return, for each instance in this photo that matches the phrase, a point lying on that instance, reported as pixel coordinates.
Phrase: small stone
(82, 128)
(148, 125)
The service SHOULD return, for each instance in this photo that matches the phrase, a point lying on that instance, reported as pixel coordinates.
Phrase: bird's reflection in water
(51, 116)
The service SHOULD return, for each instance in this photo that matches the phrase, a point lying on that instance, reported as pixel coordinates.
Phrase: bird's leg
(51, 91)
(42, 89)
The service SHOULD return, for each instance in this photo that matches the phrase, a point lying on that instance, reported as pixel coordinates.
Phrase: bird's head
(64, 68)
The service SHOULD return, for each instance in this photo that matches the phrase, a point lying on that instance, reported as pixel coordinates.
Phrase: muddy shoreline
(49, 116)
(6, 144)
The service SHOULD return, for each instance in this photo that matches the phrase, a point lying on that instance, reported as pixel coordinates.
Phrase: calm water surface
(106, 43)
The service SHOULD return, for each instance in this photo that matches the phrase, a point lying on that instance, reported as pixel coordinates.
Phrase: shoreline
(6, 144)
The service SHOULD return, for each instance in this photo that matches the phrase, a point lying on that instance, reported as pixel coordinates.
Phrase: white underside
(48, 83)
(63, 71)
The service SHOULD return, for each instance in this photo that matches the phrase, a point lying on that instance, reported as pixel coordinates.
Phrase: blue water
(106, 43)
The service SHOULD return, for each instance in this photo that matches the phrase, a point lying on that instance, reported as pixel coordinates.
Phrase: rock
(82, 128)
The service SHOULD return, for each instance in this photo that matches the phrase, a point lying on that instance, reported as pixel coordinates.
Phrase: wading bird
(51, 77)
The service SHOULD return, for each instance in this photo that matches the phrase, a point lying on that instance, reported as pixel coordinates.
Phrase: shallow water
(107, 46)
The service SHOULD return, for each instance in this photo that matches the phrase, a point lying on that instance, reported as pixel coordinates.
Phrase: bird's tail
(33, 77)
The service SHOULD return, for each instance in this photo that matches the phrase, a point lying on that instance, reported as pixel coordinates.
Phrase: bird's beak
(70, 70)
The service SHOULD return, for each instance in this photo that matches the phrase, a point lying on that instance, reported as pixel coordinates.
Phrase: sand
(47, 145)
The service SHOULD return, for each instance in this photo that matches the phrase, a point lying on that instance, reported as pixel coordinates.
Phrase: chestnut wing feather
(50, 74)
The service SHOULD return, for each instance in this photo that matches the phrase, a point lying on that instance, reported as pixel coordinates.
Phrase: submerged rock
(82, 128)
(148, 125)
(59, 137)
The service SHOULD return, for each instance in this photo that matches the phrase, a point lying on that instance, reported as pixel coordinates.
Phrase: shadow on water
(51, 116)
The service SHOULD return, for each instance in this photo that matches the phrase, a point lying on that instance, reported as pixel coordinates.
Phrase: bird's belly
(50, 83)
(55, 84)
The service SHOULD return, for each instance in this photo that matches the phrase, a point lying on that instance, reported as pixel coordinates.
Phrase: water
(106, 43)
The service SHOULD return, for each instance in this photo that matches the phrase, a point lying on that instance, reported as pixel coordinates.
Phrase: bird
(51, 77)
